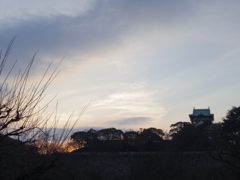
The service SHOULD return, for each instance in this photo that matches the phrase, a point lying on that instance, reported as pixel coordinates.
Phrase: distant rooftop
(205, 112)
(203, 115)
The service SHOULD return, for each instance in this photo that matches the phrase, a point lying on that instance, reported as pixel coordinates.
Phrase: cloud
(26, 9)
(133, 102)
(95, 29)
(131, 121)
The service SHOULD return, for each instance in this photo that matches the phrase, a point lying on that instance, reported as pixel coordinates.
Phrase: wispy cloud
(133, 103)
(97, 28)
(132, 121)
(27, 9)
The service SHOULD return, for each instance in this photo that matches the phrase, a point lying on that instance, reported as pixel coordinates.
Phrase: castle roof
(197, 112)
(201, 115)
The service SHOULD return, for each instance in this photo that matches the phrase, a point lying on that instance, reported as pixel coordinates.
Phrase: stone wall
(154, 165)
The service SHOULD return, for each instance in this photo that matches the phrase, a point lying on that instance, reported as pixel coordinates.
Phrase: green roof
(197, 112)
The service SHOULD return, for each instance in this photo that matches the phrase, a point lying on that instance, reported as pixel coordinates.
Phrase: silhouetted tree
(230, 149)
(150, 139)
(112, 139)
(131, 139)
(131, 136)
(81, 138)
(109, 139)
(231, 127)
(151, 135)
(177, 127)
(110, 134)
(186, 137)
(24, 124)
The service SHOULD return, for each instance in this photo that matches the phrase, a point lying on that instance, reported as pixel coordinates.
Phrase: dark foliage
(187, 137)
(231, 127)
(229, 153)
(112, 139)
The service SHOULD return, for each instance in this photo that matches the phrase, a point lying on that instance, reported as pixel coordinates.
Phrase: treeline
(112, 139)
(183, 136)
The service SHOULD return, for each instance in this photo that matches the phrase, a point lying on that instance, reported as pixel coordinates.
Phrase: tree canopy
(231, 126)
(112, 138)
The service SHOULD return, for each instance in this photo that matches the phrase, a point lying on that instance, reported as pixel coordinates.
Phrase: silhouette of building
(204, 116)
(200, 116)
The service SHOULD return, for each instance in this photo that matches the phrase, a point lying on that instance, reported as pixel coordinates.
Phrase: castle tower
(201, 115)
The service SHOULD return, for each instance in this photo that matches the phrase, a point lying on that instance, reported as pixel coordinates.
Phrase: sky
(138, 63)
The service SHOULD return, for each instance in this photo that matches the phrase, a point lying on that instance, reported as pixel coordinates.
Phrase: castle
(200, 116)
